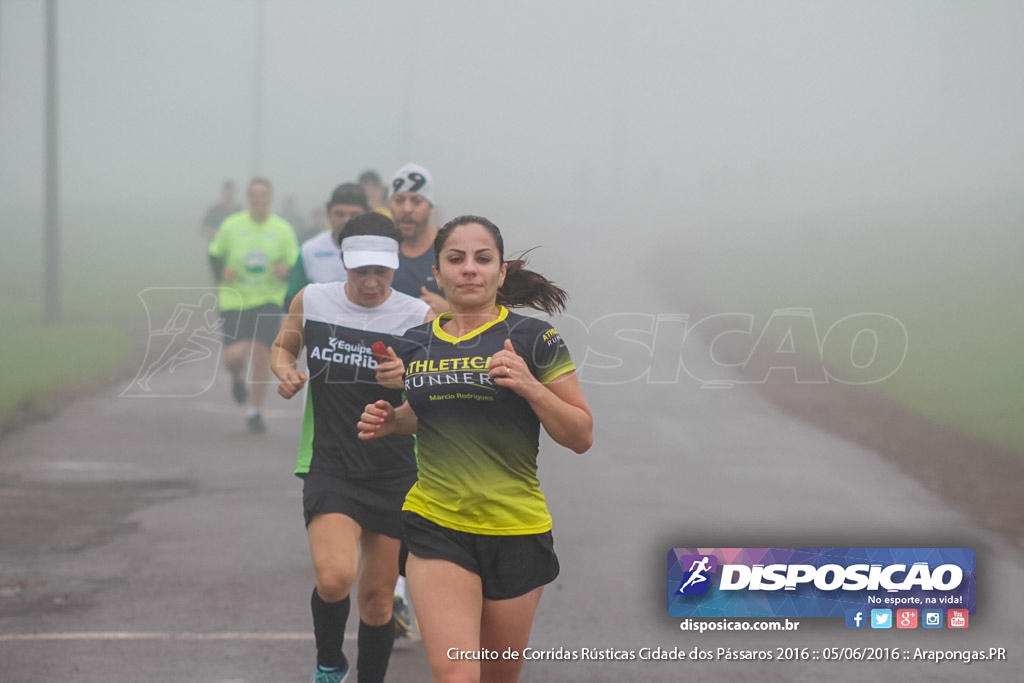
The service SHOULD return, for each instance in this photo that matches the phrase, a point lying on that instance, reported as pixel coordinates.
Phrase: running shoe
(254, 423)
(331, 674)
(238, 389)
(400, 611)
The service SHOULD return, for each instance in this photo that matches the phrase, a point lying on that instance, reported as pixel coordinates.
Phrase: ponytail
(528, 289)
(522, 288)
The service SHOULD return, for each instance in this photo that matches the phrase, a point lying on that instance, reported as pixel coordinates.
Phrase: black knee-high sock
(375, 643)
(329, 620)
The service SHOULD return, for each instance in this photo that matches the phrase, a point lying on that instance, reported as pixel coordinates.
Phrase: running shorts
(508, 566)
(375, 504)
(260, 324)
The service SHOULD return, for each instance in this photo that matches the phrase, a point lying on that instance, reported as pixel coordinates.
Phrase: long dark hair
(523, 288)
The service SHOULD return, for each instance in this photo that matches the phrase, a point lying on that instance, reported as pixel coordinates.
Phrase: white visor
(359, 251)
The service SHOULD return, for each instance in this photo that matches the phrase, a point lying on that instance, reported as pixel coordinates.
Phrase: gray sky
(760, 106)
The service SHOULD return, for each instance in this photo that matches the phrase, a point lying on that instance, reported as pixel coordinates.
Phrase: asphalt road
(151, 537)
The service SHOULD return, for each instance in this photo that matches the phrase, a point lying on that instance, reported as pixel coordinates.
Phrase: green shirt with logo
(251, 249)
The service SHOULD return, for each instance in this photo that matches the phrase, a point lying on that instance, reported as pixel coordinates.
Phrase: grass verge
(948, 278)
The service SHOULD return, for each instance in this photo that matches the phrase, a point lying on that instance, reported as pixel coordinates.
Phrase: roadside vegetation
(949, 276)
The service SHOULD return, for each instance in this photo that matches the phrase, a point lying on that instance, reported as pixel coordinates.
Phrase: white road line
(232, 409)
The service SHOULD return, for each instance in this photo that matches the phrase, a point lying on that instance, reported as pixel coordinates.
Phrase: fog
(774, 108)
(615, 135)
(672, 160)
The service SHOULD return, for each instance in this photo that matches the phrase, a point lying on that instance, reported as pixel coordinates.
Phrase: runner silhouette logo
(696, 580)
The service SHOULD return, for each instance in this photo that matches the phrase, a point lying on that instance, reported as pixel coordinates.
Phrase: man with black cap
(320, 255)
(412, 203)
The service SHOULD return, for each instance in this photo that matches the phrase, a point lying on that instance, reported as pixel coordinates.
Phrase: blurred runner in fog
(412, 203)
(352, 489)
(320, 255)
(318, 218)
(291, 212)
(216, 214)
(376, 193)
(252, 253)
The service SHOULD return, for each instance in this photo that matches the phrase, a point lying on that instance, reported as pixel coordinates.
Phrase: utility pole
(408, 102)
(51, 196)
(257, 88)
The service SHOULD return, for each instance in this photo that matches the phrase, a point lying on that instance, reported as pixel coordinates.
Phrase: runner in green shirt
(252, 254)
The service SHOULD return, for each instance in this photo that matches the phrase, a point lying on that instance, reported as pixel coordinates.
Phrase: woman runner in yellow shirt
(480, 381)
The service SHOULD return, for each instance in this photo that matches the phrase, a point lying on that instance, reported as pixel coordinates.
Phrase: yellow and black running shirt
(478, 442)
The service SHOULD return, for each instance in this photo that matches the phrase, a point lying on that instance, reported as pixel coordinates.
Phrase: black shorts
(508, 566)
(260, 324)
(375, 504)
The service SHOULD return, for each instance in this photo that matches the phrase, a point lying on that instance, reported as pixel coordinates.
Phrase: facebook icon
(856, 618)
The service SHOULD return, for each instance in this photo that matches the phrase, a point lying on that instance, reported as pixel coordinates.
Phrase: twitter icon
(881, 618)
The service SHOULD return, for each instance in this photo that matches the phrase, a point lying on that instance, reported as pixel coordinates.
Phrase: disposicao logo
(818, 582)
